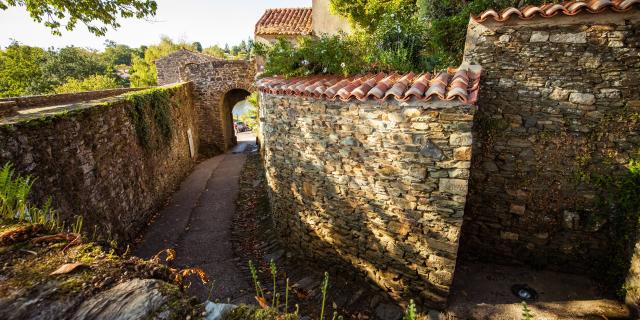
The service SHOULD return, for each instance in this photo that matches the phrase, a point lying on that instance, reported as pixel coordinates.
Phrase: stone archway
(216, 84)
(230, 99)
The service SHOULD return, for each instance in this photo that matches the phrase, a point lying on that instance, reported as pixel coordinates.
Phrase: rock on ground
(132, 300)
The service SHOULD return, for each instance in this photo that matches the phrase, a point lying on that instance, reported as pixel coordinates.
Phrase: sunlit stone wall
(378, 188)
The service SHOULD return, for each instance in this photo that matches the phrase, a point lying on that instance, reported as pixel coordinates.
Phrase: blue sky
(210, 22)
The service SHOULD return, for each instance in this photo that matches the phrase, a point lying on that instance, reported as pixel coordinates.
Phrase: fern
(14, 191)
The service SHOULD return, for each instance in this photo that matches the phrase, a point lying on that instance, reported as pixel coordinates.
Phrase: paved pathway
(197, 224)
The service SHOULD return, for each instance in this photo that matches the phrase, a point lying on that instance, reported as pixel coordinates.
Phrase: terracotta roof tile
(549, 10)
(462, 84)
(285, 21)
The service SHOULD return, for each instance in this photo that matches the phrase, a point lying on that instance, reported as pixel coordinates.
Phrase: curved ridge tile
(457, 83)
(549, 10)
(418, 87)
(400, 87)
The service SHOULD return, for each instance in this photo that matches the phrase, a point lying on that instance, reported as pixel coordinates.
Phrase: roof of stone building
(568, 8)
(462, 84)
(285, 21)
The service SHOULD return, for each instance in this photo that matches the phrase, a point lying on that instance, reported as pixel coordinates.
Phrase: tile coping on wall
(462, 83)
(549, 10)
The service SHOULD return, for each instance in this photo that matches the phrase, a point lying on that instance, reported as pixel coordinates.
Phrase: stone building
(169, 67)
(292, 23)
(218, 86)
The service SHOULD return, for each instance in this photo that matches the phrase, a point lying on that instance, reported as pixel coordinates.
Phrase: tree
(91, 83)
(198, 46)
(119, 54)
(73, 63)
(20, 72)
(445, 22)
(97, 15)
(143, 70)
(365, 13)
(215, 51)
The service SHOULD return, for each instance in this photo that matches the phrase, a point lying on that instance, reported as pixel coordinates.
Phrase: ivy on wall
(150, 113)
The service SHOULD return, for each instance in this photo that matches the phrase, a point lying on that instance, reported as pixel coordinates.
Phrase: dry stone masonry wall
(379, 187)
(559, 101)
(212, 82)
(89, 158)
(169, 67)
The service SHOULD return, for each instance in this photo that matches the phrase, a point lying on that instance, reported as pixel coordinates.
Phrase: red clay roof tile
(285, 21)
(462, 84)
(549, 10)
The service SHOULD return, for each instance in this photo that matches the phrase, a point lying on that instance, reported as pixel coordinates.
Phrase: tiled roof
(462, 84)
(285, 21)
(568, 8)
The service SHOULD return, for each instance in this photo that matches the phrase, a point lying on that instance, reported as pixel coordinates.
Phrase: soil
(29, 288)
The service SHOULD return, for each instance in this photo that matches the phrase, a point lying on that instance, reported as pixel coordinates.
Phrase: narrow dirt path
(197, 223)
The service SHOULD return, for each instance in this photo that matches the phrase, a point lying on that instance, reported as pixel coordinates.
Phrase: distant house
(292, 23)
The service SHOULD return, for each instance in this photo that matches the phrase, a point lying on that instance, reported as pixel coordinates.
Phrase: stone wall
(219, 85)
(9, 106)
(559, 101)
(91, 160)
(169, 67)
(379, 187)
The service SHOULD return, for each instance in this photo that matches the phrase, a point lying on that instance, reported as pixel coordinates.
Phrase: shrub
(396, 35)
(92, 83)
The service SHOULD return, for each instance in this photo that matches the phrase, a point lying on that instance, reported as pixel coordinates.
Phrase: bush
(448, 23)
(397, 45)
(396, 35)
(92, 83)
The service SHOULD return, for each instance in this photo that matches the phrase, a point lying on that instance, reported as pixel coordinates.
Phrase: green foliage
(197, 46)
(143, 69)
(389, 35)
(214, 51)
(92, 83)
(324, 289)
(256, 282)
(20, 70)
(274, 273)
(396, 46)
(119, 54)
(14, 200)
(448, 21)
(620, 205)
(250, 117)
(365, 13)
(72, 62)
(150, 112)
(327, 54)
(247, 312)
(526, 313)
(26, 70)
(97, 15)
(14, 190)
(410, 313)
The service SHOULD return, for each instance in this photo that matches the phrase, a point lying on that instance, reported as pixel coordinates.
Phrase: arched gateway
(218, 86)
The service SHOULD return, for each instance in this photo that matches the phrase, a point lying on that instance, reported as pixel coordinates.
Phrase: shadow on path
(197, 224)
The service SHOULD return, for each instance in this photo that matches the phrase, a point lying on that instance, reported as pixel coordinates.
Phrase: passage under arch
(231, 98)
